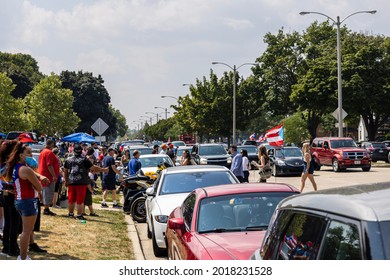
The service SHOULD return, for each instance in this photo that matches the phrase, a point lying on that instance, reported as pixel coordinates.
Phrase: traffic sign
(99, 126)
(335, 114)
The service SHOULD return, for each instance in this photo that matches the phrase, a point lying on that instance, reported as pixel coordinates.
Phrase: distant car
(169, 191)
(179, 153)
(252, 153)
(178, 143)
(223, 222)
(249, 142)
(211, 154)
(150, 163)
(15, 134)
(286, 161)
(377, 151)
(142, 149)
(347, 223)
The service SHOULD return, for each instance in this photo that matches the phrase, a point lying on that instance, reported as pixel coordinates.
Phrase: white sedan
(150, 163)
(169, 191)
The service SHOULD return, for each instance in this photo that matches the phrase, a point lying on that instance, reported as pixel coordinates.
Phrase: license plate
(381, 151)
(356, 162)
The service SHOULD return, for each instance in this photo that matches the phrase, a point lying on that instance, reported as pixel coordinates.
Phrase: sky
(145, 49)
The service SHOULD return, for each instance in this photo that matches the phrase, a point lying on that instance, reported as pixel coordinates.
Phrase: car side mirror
(150, 191)
(176, 223)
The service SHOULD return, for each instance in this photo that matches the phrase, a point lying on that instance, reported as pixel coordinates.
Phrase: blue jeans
(27, 207)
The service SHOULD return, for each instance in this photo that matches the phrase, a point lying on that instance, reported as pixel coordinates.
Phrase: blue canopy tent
(2, 135)
(79, 137)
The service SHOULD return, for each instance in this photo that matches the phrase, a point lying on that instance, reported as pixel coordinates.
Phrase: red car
(223, 222)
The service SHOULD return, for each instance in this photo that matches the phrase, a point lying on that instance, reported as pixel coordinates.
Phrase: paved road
(325, 179)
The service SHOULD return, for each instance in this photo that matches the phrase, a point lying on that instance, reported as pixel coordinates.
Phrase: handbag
(266, 172)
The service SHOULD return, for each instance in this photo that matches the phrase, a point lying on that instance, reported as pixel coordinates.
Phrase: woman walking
(245, 165)
(264, 166)
(308, 167)
(27, 187)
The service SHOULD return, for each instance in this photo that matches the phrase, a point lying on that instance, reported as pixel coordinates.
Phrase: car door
(149, 201)
(180, 247)
(326, 153)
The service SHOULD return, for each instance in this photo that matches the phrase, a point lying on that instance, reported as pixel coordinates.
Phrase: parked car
(151, 163)
(347, 223)
(377, 151)
(180, 151)
(15, 134)
(286, 161)
(249, 142)
(178, 143)
(211, 154)
(142, 149)
(169, 191)
(340, 153)
(223, 222)
(252, 153)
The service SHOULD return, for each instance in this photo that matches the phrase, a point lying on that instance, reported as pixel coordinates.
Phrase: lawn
(99, 238)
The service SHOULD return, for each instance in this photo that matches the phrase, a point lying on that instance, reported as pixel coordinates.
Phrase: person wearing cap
(171, 153)
(109, 178)
(76, 179)
(48, 166)
(163, 149)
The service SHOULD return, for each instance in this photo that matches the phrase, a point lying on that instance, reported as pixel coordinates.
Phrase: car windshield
(289, 153)
(249, 149)
(379, 145)
(212, 150)
(178, 143)
(143, 151)
(342, 144)
(188, 181)
(154, 161)
(238, 212)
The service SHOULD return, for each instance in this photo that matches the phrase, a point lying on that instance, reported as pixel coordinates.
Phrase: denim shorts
(27, 207)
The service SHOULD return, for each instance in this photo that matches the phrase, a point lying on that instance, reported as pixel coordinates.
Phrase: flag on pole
(275, 136)
(261, 138)
(253, 136)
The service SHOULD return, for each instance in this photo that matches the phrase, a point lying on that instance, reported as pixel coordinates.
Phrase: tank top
(23, 188)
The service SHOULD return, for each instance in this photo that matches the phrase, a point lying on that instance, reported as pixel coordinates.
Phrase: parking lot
(325, 179)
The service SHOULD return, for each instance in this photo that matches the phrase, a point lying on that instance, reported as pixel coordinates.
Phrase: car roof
(368, 202)
(153, 155)
(210, 144)
(184, 148)
(334, 138)
(247, 188)
(195, 168)
(285, 147)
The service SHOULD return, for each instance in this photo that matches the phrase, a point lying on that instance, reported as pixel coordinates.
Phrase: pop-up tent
(79, 138)
(2, 135)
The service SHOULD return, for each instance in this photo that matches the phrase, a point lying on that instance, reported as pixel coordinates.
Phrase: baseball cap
(25, 138)
(77, 150)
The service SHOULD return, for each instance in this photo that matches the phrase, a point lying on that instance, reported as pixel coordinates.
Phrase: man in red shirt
(48, 166)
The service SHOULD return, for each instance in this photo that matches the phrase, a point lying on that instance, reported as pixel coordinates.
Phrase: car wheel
(335, 164)
(274, 171)
(149, 232)
(138, 211)
(158, 252)
(366, 168)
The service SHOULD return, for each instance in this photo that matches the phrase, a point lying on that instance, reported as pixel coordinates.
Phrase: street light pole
(165, 109)
(170, 96)
(153, 114)
(339, 81)
(234, 68)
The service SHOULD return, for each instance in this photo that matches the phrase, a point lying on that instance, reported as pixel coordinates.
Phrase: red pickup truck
(340, 153)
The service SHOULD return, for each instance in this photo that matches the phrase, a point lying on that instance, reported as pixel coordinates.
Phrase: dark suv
(340, 153)
(377, 150)
(211, 154)
(347, 223)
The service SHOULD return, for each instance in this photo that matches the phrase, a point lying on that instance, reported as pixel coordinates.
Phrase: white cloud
(238, 24)
(99, 62)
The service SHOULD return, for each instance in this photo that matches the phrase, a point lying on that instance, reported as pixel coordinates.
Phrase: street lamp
(153, 114)
(234, 68)
(339, 86)
(148, 119)
(169, 96)
(137, 124)
(166, 111)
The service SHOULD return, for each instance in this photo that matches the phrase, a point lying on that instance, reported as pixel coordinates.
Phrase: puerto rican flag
(253, 136)
(275, 136)
(261, 138)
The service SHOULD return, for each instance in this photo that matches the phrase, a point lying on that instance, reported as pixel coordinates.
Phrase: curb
(135, 241)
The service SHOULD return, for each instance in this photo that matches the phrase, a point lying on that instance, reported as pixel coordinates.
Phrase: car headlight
(161, 219)
(229, 160)
(344, 154)
(280, 162)
(203, 161)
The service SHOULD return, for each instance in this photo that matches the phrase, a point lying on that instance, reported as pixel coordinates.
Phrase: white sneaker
(20, 259)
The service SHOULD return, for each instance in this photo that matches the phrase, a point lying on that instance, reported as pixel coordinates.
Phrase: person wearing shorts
(76, 179)
(109, 178)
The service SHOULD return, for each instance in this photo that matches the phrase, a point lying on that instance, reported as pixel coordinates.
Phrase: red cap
(170, 145)
(25, 138)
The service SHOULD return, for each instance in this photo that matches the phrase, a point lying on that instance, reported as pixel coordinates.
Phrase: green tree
(12, 116)
(122, 127)
(49, 107)
(295, 129)
(366, 76)
(91, 100)
(23, 70)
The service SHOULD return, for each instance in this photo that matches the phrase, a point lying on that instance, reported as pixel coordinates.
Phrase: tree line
(295, 83)
(53, 104)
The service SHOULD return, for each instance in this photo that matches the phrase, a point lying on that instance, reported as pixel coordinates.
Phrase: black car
(286, 161)
(346, 223)
(211, 154)
(252, 153)
(377, 151)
